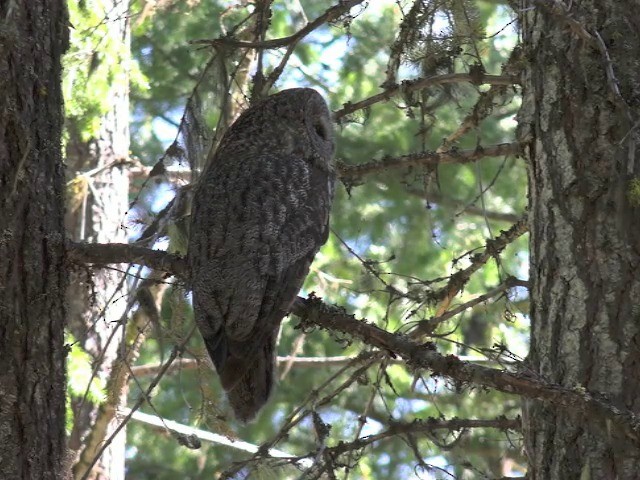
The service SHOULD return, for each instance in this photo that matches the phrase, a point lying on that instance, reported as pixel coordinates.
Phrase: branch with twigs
(314, 313)
(426, 427)
(486, 103)
(420, 83)
(428, 326)
(358, 366)
(459, 279)
(348, 173)
(481, 110)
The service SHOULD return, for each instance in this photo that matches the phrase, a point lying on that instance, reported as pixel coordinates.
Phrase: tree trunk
(99, 307)
(33, 36)
(585, 240)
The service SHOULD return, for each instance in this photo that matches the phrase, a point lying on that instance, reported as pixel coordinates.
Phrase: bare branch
(105, 253)
(178, 429)
(419, 84)
(297, 362)
(330, 15)
(350, 172)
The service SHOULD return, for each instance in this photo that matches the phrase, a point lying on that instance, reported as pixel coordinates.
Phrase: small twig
(362, 418)
(440, 199)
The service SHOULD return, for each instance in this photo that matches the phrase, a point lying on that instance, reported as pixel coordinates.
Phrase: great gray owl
(260, 214)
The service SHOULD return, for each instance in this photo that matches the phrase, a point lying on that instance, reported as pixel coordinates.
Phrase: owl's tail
(246, 371)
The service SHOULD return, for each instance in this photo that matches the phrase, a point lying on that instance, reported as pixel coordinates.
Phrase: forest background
(430, 339)
(399, 232)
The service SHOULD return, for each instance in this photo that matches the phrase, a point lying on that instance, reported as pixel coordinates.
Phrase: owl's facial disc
(321, 130)
(317, 131)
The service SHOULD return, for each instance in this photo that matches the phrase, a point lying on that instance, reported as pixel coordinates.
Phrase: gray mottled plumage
(260, 214)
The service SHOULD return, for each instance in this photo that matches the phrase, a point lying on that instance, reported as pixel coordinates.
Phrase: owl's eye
(321, 130)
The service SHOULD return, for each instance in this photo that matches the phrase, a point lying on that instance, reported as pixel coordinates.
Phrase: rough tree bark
(580, 102)
(33, 36)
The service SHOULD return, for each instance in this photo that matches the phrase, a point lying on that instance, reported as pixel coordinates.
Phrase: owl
(260, 214)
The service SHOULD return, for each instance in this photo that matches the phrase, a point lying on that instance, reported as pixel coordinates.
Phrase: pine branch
(348, 173)
(426, 427)
(421, 83)
(314, 312)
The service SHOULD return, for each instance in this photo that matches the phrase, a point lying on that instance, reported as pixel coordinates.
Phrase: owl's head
(316, 123)
(296, 122)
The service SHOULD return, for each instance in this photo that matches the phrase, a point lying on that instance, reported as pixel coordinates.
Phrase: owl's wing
(247, 366)
(257, 226)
